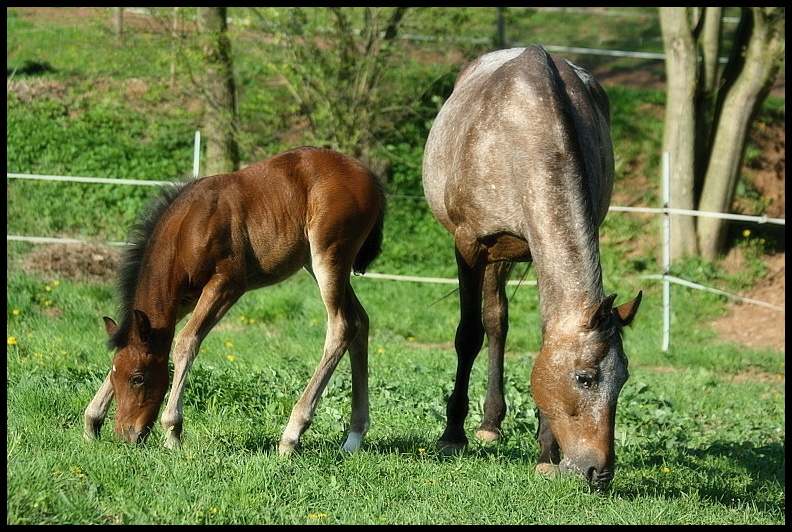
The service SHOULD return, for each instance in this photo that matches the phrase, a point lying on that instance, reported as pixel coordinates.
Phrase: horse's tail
(373, 245)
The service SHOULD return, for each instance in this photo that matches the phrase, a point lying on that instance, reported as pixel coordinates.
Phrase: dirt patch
(80, 262)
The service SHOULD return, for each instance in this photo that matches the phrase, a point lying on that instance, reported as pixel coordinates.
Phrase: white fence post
(666, 179)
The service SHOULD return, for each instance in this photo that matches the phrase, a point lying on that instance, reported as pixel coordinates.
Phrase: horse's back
(266, 217)
(517, 120)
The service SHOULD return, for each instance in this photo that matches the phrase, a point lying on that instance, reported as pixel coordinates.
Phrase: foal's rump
(274, 216)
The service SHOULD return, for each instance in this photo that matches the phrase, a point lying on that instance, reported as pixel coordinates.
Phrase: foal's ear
(626, 311)
(110, 326)
(141, 326)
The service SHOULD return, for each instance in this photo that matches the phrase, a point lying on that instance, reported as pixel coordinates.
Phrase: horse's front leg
(468, 341)
(96, 411)
(217, 297)
(496, 323)
(549, 450)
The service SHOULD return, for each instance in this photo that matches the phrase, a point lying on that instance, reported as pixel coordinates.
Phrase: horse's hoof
(353, 442)
(449, 448)
(546, 470)
(173, 443)
(488, 435)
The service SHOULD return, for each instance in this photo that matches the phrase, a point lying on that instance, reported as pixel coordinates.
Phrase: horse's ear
(110, 326)
(141, 326)
(593, 315)
(626, 311)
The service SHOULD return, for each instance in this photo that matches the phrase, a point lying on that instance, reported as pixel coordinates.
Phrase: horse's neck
(566, 257)
(159, 299)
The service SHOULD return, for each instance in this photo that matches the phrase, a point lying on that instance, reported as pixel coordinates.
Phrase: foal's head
(139, 376)
(576, 382)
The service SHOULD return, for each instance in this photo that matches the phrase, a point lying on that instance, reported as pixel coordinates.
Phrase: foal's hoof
(547, 470)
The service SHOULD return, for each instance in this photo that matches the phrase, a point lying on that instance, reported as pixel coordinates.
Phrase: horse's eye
(585, 379)
(137, 380)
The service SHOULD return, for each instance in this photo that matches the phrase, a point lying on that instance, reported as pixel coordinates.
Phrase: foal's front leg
(96, 411)
(219, 295)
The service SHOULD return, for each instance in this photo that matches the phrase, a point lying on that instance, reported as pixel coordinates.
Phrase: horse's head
(576, 382)
(139, 377)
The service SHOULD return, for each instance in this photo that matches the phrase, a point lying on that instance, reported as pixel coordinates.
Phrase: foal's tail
(373, 245)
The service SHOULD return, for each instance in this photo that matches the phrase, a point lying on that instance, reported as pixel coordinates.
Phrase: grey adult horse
(518, 167)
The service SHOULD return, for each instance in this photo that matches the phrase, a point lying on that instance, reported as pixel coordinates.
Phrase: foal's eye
(136, 380)
(585, 379)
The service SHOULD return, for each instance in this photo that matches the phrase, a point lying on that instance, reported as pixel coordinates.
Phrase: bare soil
(746, 323)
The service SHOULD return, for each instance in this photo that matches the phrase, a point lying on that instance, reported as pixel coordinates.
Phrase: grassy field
(700, 427)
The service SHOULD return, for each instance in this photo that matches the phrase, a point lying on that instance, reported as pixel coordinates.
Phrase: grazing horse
(518, 167)
(206, 244)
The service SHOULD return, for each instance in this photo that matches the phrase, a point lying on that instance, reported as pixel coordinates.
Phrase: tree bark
(760, 62)
(220, 119)
(679, 132)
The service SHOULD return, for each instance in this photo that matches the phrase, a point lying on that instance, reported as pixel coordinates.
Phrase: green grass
(697, 442)
(700, 428)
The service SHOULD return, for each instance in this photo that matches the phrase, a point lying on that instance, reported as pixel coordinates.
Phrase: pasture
(700, 433)
(700, 429)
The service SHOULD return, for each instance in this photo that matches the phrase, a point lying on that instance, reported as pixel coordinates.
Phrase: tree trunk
(679, 133)
(118, 21)
(221, 121)
(759, 65)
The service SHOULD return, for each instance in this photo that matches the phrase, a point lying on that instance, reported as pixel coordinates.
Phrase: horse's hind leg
(496, 323)
(359, 421)
(468, 341)
(343, 326)
(97, 409)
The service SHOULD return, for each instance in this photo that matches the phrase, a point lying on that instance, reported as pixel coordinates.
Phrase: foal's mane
(133, 254)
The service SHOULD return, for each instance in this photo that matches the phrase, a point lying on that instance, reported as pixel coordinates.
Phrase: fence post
(197, 154)
(666, 179)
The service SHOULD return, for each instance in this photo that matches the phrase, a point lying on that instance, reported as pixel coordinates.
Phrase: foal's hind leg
(343, 327)
(496, 323)
(359, 420)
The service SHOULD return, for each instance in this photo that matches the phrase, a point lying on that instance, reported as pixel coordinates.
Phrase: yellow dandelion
(15, 312)
(747, 233)
(410, 338)
(231, 358)
(666, 470)
(38, 355)
(228, 343)
(48, 288)
(12, 340)
(317, 515)
(56, 473)
(421, 450)
(56, 283)
(380, 350)
(251, 321)
(242, 318)
(76, 469)
(213, 510)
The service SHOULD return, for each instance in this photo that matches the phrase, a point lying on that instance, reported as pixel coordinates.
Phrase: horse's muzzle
(599, 479)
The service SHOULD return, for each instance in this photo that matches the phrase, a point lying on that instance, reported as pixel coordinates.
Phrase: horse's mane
(134, 253)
